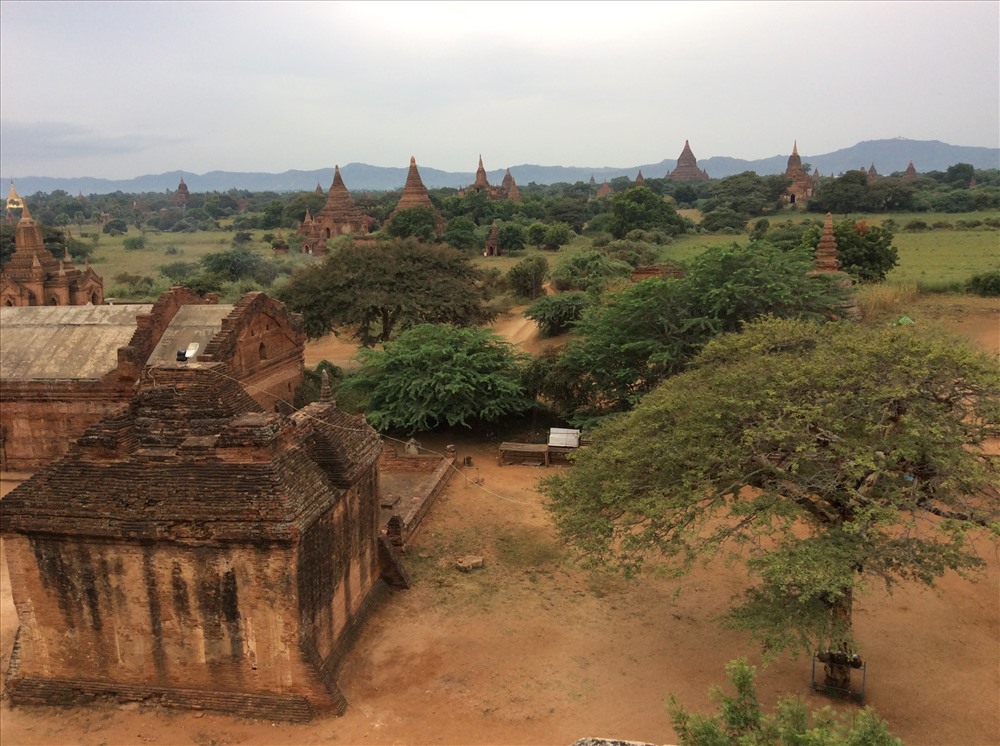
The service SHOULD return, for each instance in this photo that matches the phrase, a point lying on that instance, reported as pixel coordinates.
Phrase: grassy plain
(939, 259)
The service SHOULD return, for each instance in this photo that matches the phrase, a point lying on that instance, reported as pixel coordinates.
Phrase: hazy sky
(122, 89)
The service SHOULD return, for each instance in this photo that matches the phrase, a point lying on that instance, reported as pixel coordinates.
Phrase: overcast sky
(122, 89)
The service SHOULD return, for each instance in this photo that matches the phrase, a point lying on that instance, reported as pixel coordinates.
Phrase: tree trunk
(386, 325)
(837, 663)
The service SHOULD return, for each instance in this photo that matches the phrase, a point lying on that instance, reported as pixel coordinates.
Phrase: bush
(555, 314)
(526, 279)
(915, 226)
(436, 374)
(968, 225)
(116, 227)
(986, 284)
(557, 235)
(721, 218)
(134, 243)
(178, 272)
(589, 270)
(633, 253)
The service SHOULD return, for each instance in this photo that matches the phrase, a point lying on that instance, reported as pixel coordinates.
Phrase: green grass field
(933, 260)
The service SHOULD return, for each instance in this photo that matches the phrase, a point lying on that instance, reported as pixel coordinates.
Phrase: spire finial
(325, 393)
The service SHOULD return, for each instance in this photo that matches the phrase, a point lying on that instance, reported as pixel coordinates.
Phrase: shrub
(555, 314)
(134, 243)
(116, 227)
(633, 253)
(527, 278)
(968, 225)
(986, 284)
(589, 270)
(915, 225)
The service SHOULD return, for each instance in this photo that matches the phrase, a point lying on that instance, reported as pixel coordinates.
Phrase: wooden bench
(523, 452)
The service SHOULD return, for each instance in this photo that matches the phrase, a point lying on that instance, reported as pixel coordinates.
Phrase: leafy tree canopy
(747, 193)
(437, 374)
(527, 277)
(555, 314)
(589, 270)
(742, 722)
(826, 457)
(638, 207)
(396, 285)
(651, 329)
(414, 222)
(460, 233)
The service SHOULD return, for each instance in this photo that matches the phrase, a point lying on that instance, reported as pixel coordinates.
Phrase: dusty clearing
(529, 650)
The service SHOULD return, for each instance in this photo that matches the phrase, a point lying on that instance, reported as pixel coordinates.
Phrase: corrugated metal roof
(64, 342)
(190, 324)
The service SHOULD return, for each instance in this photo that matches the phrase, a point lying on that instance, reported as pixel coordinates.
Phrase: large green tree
(391, 286)
(414, 222)
(638, 208)
(437, 374)
(651, 329)
(827, 458)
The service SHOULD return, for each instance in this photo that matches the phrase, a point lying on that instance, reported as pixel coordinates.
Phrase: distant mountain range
(888, 156)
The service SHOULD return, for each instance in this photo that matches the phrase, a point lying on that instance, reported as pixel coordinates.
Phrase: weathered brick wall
(40, 420)
(157, 614)
(264, 347)
(189, 549)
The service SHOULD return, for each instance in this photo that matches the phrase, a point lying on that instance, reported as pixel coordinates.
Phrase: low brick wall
(426, 475)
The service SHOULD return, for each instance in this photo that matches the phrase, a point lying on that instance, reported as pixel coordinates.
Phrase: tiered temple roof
(182, 195)
(510, 188)
(640, 179)
(911, 173)
(687, 167)
(605, 190)
(507, 189)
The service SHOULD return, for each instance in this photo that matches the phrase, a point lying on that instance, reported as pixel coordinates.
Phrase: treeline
(727, 202)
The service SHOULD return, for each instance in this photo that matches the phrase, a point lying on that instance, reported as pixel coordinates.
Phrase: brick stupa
(415, 195)
(604, 190)
(825, 262)
(687, 167)
(911, 172)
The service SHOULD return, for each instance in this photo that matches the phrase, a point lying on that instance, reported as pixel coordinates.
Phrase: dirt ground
(529, 650)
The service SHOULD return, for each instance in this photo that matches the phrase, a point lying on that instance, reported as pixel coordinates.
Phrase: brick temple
(507, 190)
(194, 550)
(801, 188)
(65, 367)
(34, 277)
(338, 217)
(687, 167)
